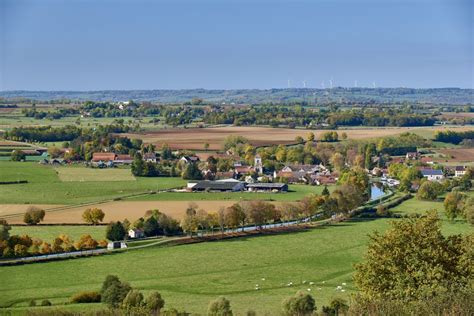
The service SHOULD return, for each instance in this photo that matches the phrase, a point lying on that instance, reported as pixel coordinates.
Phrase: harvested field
(118, 210)
(67, 174)
(449, 115)
(194, 138)
(459, 154)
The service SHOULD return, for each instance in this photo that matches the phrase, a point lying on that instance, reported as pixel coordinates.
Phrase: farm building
(116, 245)
(273, 187)
(104, 157)
(217, 186)
(123, 159)
(189, 159)
(136, 233)
(432, 174)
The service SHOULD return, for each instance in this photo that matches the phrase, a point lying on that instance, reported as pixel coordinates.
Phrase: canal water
(376, 191)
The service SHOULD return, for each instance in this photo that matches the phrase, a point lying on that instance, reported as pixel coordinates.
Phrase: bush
(86, 297)
(46, 303)
(32, 303)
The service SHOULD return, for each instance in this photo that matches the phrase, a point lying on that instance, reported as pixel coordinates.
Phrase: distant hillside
(365, 95)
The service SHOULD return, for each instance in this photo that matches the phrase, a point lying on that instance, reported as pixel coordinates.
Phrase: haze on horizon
(184, 44)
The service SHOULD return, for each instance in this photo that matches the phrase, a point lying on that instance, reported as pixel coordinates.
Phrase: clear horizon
(55, 45)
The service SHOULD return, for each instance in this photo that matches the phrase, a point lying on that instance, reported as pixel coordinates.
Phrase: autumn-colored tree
(86, 242)
(45, 248)
(33, 215)
(93, 216)
(190, 223)
(337, 161)
(235, 216)
(453, 204)
(413, 260)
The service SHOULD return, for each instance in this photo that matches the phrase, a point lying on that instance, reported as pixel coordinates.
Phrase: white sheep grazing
(311, 283)
(304, 282)
(309, 290)
(339, 287)
(344, 284)
(263, 279)
(343, 290)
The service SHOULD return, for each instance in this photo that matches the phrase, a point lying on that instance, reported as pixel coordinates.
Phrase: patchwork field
(194, 138)
(458, 154)
(68, 174)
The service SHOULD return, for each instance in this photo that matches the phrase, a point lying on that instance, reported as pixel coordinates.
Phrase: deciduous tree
(93, 216)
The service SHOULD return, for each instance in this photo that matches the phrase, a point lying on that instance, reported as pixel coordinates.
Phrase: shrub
(46, 303)
(86, 297)
(32, 303)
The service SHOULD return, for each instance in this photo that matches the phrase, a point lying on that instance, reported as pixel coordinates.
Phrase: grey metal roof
(216, 185)
(432, 172)
(266, 185)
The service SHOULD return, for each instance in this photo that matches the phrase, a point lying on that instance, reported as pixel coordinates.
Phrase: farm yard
(65, 192)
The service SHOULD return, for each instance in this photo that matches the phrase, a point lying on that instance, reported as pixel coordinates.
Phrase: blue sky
(94, 44)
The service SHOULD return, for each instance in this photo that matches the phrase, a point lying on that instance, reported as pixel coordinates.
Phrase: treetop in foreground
(413, 261)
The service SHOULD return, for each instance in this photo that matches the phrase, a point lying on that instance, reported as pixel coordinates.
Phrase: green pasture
(68, 174)
(189, 276)
(45, 187)
(48, 233)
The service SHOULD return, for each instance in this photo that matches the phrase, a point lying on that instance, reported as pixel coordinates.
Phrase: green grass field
(45, 186)
(68, 174)
(48, 233)
(190, 276)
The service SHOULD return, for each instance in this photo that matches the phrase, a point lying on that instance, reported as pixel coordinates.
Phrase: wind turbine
(322, 85)
(289, 83)
(373, 84)
(330, 83)
(355, 83)
(304, 83)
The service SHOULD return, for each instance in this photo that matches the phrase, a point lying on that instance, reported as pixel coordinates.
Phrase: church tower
(258, 164)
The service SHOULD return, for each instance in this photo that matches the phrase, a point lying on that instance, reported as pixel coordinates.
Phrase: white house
(136, 233)
(149, 157)
(433, 174)
(460, 171)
